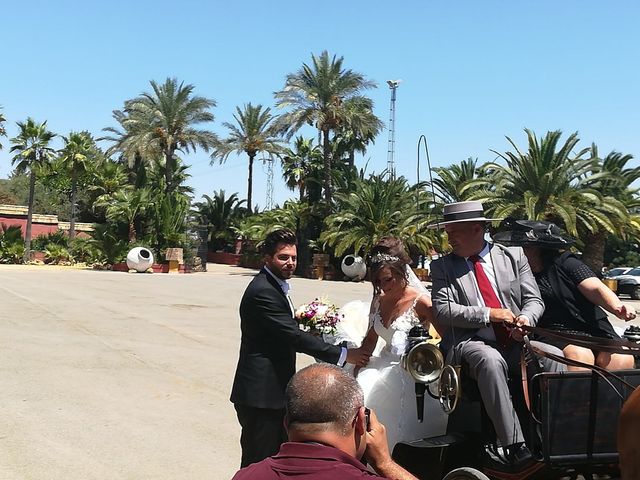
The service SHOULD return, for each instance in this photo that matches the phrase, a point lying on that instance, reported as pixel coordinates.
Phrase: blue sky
(472, 71)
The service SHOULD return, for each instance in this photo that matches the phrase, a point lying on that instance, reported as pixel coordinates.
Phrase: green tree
(359, 129)
(125, 206)
(220, 214)
(302, 167)
(76, 156)
(379, 207)
(613, 180)
(323, 94)
(254, 132)
(258, 226)
(164, 122)
(108, 178)
(452, 181)
(549, 182)
(32, 152)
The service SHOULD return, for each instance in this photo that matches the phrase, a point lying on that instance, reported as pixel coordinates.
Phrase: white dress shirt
(487, 264)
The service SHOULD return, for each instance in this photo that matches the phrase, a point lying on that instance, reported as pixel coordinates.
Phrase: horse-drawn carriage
(570, 419)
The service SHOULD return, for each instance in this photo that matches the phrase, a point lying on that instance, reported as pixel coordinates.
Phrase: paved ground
(108, 375)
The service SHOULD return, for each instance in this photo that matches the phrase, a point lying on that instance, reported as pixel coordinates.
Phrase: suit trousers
(490, 367)
(262, 432)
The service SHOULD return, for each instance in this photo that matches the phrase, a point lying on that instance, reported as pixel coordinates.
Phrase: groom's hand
(358, 357)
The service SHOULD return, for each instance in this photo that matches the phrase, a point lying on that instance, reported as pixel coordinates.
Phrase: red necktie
(491, 300)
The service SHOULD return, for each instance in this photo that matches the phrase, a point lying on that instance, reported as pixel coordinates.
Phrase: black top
(566, 308)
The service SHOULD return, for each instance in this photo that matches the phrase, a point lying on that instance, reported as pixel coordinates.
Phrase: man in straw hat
(478, 289)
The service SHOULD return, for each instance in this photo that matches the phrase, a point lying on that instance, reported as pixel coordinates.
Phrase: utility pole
(391, 166)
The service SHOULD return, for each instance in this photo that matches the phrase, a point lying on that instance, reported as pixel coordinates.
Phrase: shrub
(57, 254)
(55, 238)
(83, 250)
(11, 244)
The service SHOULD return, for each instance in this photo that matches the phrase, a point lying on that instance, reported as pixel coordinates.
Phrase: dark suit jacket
(455, 301)
(270, 339)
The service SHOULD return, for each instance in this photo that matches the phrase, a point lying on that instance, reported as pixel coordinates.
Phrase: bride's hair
(388, 252)
(391, 246)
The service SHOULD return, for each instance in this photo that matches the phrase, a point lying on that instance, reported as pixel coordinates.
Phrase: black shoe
(517, 459)
(519, 456)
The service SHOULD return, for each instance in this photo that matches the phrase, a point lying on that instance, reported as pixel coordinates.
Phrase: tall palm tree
(254, 132)
(378, 207)
(75, 156)
(32, 152)
(549, 182)
(359, 129)
(316, 95)
(302, 166)
(164, 122)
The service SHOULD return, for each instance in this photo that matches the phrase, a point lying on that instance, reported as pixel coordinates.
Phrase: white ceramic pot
(139, 259)
(354, 267)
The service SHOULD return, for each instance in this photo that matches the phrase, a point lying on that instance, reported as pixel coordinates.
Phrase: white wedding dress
(388, 389)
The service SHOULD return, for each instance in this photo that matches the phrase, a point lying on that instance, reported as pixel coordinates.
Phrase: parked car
(629, 283)
(614, 272)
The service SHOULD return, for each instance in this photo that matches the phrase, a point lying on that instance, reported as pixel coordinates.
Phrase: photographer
(329, 430)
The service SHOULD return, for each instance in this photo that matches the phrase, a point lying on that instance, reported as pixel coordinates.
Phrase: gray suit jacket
(455, 300)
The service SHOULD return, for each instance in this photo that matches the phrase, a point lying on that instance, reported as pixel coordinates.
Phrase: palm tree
(450, 186)
(156, 179)
(360, 128)
(75, 157)
(164, 122)
(317, 95)
(126, 205)
(108, 177)
(378, 207)
(549, 182)
(613, 180)
(253, 133)
(302, 166)
(220, 214)
(32, 152)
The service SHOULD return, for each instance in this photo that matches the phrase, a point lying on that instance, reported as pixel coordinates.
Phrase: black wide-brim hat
(533, 233)
(470, 211)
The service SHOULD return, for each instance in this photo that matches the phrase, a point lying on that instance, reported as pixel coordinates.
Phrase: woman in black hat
(574, 297)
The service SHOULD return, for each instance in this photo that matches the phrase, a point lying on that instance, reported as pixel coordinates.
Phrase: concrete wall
(40, 224)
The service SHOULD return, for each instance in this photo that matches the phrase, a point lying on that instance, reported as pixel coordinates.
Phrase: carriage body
(571, 427)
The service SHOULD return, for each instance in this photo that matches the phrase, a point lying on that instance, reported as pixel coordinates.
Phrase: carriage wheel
(449, 389)
(465, 473)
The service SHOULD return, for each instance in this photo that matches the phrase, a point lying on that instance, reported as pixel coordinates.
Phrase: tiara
(383, 257)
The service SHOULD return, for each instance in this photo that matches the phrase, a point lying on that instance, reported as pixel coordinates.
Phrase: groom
(270, 339)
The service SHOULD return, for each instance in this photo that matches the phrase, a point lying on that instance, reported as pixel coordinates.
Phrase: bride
(399, 303)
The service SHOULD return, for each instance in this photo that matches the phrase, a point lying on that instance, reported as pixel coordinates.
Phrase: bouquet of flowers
(318, 317)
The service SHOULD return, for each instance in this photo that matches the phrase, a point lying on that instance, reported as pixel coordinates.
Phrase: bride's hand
(358, 357)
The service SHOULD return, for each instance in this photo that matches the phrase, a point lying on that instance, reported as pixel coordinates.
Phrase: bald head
(321, 398)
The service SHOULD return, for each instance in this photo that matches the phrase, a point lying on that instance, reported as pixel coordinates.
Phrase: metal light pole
(391, 166)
